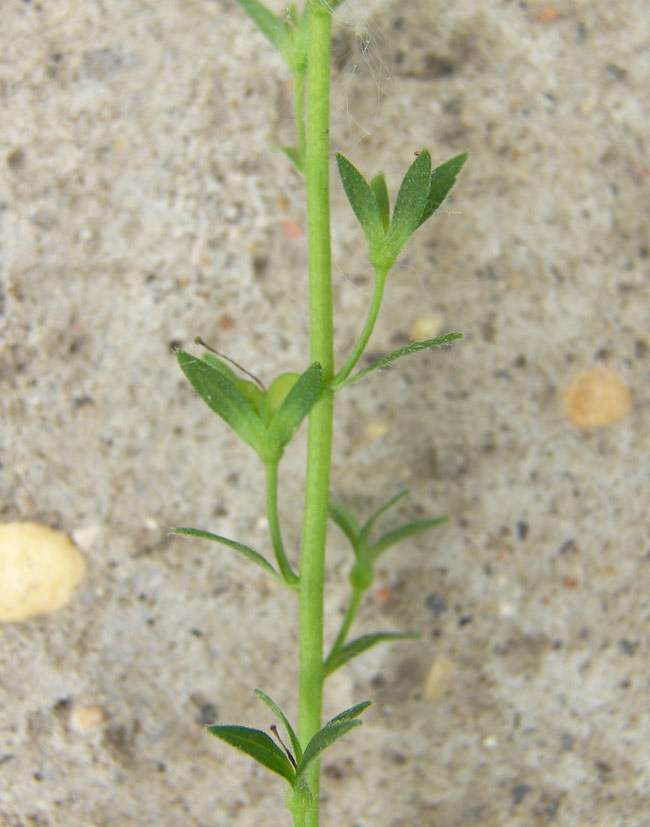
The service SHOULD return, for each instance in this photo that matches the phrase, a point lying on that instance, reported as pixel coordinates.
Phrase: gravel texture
(142, 204)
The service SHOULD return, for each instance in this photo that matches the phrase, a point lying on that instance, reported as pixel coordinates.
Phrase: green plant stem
(319, 443)
(299, 115)
(350, 614)
(373, 312)
(290, 578)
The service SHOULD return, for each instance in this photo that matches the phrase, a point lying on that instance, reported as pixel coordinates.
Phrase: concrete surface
(142, 205)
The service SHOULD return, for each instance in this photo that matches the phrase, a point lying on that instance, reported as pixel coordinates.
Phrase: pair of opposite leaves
(264, 419)
(267, 420)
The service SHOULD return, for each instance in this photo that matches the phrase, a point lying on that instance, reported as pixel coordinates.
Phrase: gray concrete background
(141, 205)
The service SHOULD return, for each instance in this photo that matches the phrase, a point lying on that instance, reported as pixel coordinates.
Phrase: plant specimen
(267, 419)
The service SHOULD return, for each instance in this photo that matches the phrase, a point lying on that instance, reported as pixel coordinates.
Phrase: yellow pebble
(86, 717)
(424, 327)
(376, 429)
(596, 397)
(438, 678)
(39, 570)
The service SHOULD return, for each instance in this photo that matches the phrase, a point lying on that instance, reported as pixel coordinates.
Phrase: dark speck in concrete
(16, 159)
(436, 604)
(628, 647)
(616, 72)
(640, 349)
(520, 791)
(207, 714)
(568, 546)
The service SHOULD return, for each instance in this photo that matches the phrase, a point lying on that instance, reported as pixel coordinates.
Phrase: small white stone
(150, 523)
(39, 570)
(507, 609)
(86, 717)
(88, 537)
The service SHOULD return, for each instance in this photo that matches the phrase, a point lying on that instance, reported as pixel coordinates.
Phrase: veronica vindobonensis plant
(267, 419)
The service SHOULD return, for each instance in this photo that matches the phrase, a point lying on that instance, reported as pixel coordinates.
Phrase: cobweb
(362, 68)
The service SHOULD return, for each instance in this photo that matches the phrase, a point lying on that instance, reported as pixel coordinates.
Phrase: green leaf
(293, 14)
(401, 533)
(275, 709)
(296, 55)
(278, 392)
(439, 341)
(275, 29)
(293, 154)
(334, 729)
(296, 405)
(410, 203)
(359, 645)
(251, 555)
(330, 733)
(346, 522)
(250, 391)
(259, 746)
(363, 202)
(365, 531)
(225, 399)
(380, 191)
(252, 394)
(443, 179)
(220, 365)
(350, 713)
(362, 572)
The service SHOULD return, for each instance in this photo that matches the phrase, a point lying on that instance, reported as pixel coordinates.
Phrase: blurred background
(143, 204)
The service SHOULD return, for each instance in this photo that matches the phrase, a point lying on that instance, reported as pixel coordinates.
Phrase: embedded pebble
(596, 397)
(293, 229)
(39, 570)
(150, 523)
(424, 327)
(86, 717)
(438, 678)
(436, 604)
(376, 429)
(88, 537)
(382, 595)
(507, 609)
(548, 15)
